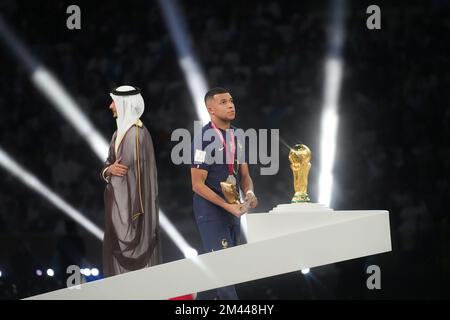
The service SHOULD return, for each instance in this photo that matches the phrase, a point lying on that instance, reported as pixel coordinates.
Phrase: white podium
(288, 238)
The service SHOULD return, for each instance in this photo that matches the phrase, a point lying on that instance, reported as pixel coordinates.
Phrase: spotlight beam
(330, 117)
(54, 91)
(35, 184)
(68, 108)
(192, 71)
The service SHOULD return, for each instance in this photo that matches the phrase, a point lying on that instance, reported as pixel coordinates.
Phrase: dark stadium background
(393, 143)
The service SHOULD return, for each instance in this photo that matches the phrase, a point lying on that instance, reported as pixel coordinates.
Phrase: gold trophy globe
(299, 157)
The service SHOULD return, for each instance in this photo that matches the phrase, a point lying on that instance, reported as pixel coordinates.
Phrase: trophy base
(299, 198)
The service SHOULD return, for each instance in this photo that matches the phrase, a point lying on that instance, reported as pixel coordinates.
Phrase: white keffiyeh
(129, 109)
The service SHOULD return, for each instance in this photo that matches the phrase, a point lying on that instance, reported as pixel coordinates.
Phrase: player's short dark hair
(212, 92)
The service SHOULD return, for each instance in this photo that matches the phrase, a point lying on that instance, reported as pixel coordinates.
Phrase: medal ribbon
(233, 148)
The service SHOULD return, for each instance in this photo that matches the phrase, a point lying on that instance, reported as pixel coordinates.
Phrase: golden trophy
(299, 157)
(230, 192)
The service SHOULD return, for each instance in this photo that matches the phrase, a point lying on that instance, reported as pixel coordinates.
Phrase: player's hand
(251, 199)
(235, 209)
(117, 169)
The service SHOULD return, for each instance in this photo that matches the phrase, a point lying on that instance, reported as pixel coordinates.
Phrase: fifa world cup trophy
(299, 157)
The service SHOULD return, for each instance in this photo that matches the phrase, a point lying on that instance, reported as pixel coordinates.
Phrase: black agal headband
(131, 92)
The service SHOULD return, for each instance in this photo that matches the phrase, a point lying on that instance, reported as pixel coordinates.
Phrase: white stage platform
(290, 237)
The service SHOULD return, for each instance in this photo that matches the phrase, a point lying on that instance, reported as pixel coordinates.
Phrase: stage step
(289, 238)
